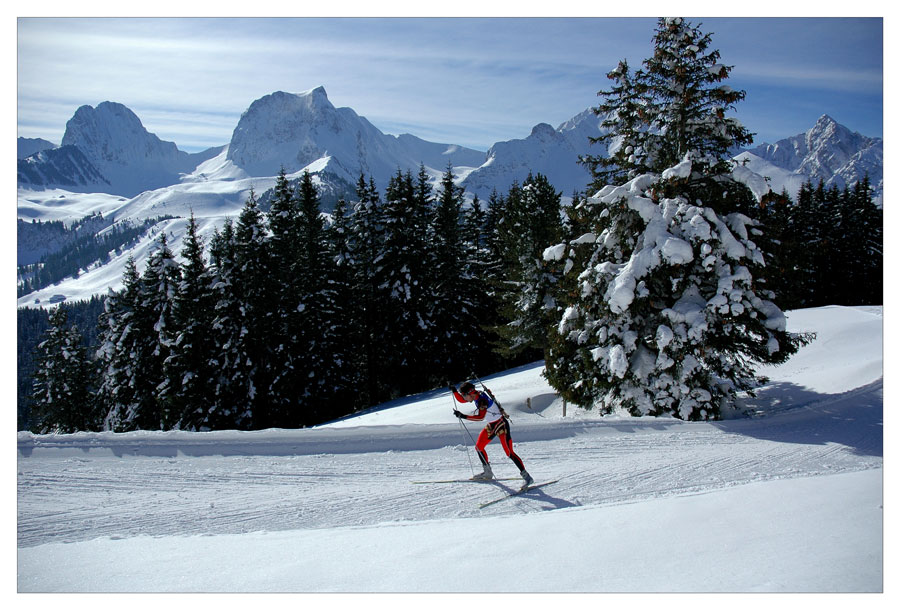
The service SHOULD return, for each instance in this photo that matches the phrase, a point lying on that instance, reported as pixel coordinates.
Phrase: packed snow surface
(788, 499)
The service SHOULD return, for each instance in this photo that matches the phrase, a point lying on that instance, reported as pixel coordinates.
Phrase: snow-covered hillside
(789, 499)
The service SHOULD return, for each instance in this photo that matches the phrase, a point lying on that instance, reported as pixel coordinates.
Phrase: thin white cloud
(467, 81)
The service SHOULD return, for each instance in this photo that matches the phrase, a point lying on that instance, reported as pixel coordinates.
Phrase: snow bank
(777, 536)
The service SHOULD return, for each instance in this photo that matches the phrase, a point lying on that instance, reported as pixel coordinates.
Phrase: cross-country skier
(498, 425)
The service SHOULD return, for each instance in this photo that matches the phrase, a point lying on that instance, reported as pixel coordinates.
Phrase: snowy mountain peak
(289, 130)
(825, 122)
(295, 130)
(826, 128)
(317, 97)
(829, 152)
(131, 158)
(112, 133)
(543, 131)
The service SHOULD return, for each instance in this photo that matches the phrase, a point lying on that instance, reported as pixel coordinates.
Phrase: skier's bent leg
(506, 442)
(482, 455)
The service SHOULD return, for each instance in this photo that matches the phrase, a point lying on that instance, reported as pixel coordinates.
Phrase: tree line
(289, 319)
(827, 248)
(659, 295)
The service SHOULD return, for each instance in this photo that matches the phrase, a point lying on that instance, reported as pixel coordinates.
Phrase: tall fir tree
(668, 314)
(188, 367)
(120, 348)
(139, 333)
(317, 308)
(481, 264)
(364, 256)
(285, 387)
(406, 247)
(454, 290)
(160, 283)
(346, 352)
(62, 397)
(624, 121)
(254, 288)
(231, 382)
(687, 104)
(533, 221)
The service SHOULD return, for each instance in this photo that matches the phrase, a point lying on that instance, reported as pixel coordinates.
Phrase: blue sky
(468, 81)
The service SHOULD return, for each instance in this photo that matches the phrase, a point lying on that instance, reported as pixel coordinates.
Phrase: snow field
(575, 550)
(789, 500)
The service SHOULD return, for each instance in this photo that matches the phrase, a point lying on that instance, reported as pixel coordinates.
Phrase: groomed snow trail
(79, 488)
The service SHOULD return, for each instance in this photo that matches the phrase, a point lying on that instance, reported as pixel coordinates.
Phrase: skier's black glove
(451, 387)
(458, 414)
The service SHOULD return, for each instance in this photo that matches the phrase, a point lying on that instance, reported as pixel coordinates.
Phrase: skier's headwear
(466, 388)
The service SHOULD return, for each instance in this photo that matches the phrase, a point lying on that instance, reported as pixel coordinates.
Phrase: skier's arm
(474, 417)
(477, 416)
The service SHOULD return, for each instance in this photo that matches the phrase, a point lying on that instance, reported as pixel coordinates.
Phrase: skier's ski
(517, 493)
(465, 481)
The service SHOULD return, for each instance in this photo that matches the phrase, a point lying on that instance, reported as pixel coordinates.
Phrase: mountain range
(109, 163)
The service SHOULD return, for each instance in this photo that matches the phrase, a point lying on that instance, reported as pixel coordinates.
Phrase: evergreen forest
(658, 294)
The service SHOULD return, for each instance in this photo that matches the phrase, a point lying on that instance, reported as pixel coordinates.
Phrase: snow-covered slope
(788, 500)
(551, 152)
(66, 167)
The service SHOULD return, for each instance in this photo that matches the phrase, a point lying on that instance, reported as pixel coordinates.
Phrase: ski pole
(484, 387)
(491, 394)
(463, 426)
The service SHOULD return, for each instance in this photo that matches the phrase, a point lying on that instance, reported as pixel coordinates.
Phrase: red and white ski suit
(497, 425)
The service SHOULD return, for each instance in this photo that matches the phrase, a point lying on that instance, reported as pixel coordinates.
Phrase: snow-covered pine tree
(159, 287)
(188, 366)
(346, 351)
(686, 104)
(624, 112)
(253, 287)
(532, 220)
(669, 314)
(62, 401)
(286, 245)
(317, 308)
(454, 291)
(119, 346)
(365, 248)
(138, 334)
(406, 250)
(230, 380)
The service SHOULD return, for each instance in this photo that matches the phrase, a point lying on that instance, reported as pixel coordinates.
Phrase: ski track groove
(101, 495)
